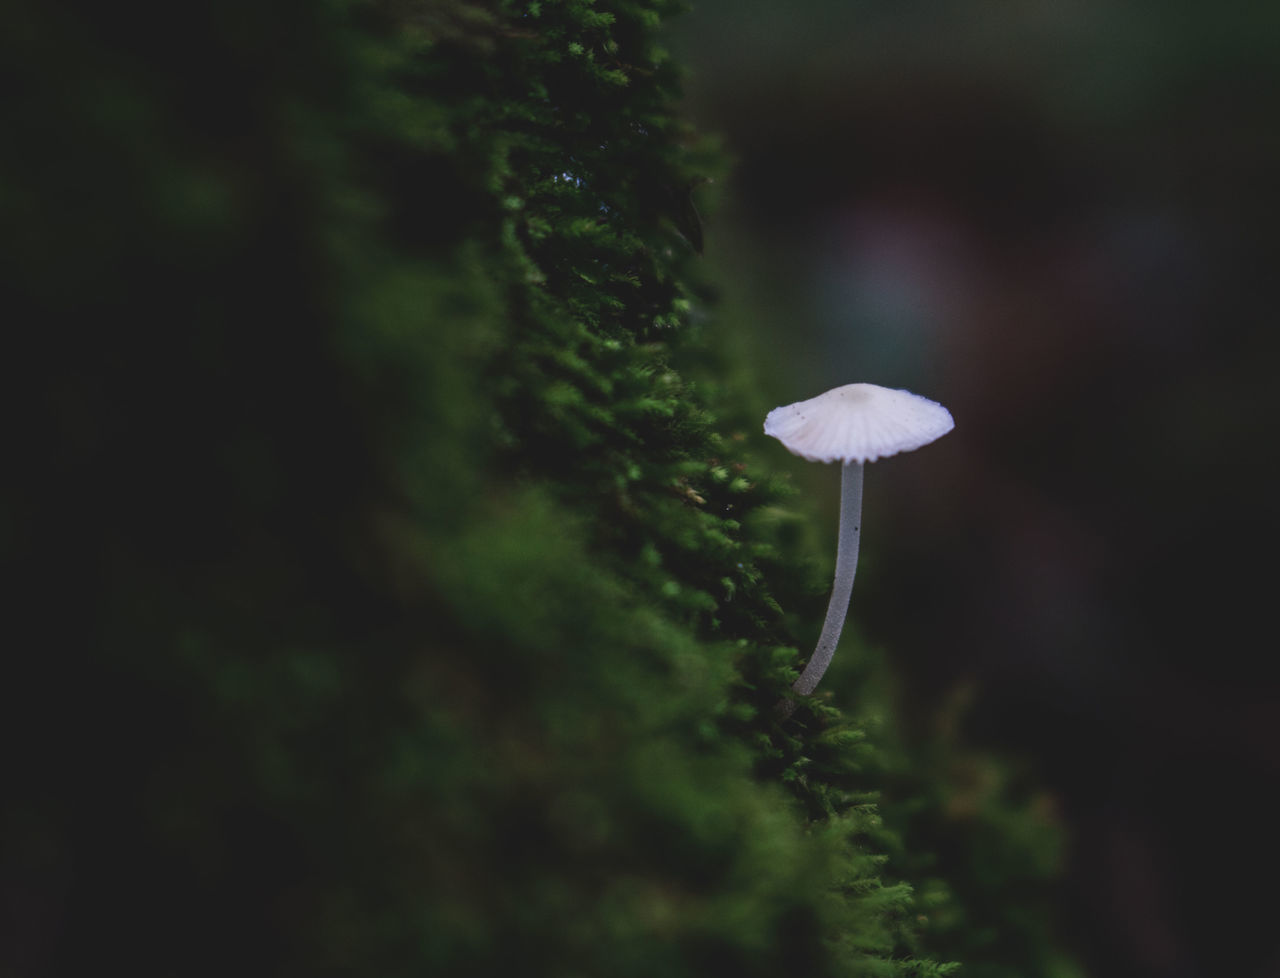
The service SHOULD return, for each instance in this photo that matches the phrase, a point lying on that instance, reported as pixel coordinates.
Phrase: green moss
(405, 608)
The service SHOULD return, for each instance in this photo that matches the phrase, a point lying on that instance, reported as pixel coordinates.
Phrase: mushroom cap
(858, 423)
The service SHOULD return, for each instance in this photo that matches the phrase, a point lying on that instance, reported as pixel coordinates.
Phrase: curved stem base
(846, 566)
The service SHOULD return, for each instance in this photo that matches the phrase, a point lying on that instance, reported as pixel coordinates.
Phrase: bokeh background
(243, 490)
(1058, 219)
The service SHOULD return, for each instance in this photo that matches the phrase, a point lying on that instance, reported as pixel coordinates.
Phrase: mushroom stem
(846, 565)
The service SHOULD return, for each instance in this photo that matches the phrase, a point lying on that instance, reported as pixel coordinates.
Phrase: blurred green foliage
(394, 602)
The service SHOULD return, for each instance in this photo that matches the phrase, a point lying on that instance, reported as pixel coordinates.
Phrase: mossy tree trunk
(392, 601)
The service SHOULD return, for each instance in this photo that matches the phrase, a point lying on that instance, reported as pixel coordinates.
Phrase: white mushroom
(852, 424)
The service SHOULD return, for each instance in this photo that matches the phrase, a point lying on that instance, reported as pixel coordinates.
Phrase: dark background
(1058, 219)
(243, 488)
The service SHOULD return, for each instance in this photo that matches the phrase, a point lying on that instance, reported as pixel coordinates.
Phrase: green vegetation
(410, 600)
